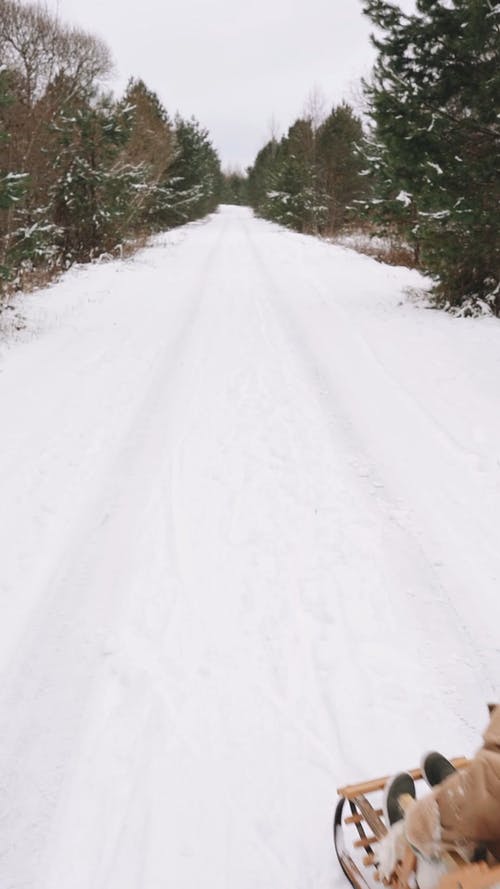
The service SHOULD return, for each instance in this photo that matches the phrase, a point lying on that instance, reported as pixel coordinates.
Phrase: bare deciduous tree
(40, 49)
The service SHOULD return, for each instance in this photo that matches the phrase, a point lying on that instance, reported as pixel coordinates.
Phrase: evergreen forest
(83, 173)
(423, 167)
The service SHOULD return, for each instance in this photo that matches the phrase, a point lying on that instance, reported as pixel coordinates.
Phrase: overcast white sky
(232, 64)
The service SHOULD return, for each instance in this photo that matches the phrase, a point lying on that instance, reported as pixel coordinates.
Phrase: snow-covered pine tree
(81, 172)
(48, 64)
(234, 188)
(284, 182)
(296, 198)
(93, 195)
(310, 178)
(341, 165)
(12, 183)
(192, 185)
(151, 145)
(435, 101)
(260, 176)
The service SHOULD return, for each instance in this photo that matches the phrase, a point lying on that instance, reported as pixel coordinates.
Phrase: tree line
(426, 163)
(310, 177)
(81, 172)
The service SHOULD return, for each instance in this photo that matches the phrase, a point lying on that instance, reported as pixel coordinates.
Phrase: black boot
(436, 768)
(396, 787)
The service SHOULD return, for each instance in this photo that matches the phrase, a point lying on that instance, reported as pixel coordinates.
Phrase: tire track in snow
(233, 601)
(47, 691)
(250, 475)
(334, 409)
(273, 333)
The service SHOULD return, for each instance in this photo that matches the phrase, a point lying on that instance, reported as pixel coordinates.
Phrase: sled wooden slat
(353, 819)
(366, 841)
(368, 859)
(357, 819)
(352, 790)
(374, 822)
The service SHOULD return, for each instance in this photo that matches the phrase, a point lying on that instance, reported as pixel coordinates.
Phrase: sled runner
(359, 823)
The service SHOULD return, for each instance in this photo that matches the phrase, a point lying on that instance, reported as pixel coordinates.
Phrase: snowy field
(250, 512)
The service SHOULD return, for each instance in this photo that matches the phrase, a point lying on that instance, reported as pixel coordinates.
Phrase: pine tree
(311, 179)
(260, 176)
(150, 146)
(284, 183)
(234, 188)
(49, 64)
(80, 173)
(93, 196)
(297, 199)
(341, 165)
(435, 100)
(12, 183)
(193, 182)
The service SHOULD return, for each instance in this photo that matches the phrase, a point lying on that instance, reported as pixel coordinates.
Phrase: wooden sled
(359, 825)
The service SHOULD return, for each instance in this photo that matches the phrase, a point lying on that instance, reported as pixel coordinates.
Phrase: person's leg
(393, 847)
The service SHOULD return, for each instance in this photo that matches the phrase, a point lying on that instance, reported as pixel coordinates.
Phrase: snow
(435, 167)
(404, 198)
(250, 508)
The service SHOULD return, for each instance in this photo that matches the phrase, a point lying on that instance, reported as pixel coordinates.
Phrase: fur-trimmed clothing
(464, 811)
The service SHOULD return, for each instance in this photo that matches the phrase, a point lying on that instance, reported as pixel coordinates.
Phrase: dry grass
(30, 278)
(389, 249)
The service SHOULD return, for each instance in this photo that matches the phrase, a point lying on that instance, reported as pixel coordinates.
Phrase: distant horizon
(237, 74)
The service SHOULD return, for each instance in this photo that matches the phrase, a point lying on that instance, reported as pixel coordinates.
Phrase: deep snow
(250, 507)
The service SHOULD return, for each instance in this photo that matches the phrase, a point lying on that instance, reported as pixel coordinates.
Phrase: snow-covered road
(250, 504)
